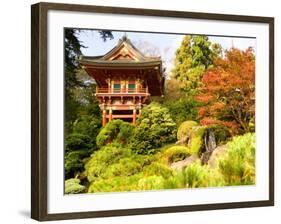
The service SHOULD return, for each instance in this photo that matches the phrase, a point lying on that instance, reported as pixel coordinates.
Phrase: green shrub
(175, 181)
(238, 163)
(151, 183)
(185, 129)
(72, 186)
(101, 159)
(174, 154)
(116, 184)
(77, 148)
(87, 125)
(196, 175)
(192, 136)
(126, 166)
(145, 141)
(222, 133)
(77, 141)
(196, 142)
(154, 128)
(74, 162)
(158, 169)
(115, 130)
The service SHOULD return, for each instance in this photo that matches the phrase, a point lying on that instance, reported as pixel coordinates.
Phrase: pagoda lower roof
(119, 63)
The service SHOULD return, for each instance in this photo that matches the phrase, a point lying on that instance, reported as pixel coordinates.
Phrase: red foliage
(228, 91)
(209, 121)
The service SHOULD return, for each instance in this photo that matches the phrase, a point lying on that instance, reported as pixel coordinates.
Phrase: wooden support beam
(120, 116)
(134, 116)
(103, 118)
(110, 114)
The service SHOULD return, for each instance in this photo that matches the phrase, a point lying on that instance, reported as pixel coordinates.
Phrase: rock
(212, 162)
(183, 141)
(183, 163)
(205, 157)
(209, 145)
(209, 140)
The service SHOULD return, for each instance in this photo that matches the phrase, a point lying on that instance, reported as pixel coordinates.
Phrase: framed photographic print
(139, 111)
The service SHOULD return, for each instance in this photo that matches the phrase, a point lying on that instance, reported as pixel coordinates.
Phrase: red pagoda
(126, 79)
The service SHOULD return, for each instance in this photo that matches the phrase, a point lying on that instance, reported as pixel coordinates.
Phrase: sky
(164, 45)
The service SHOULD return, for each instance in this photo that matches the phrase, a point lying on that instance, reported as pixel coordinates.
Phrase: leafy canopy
(228, 92)
(195, 55)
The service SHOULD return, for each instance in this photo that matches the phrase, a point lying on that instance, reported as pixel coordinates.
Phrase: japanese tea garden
(136, 119)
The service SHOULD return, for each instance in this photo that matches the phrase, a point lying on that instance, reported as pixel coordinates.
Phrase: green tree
(77, 148)
(154, 128)
(182, 109)
(195, 55)
(72, 51)
(228, 92)
(115, 131)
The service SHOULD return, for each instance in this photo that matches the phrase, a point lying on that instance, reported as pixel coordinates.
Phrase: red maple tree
(228, 92)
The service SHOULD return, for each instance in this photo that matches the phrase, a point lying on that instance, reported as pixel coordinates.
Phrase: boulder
(219, 151)
(184, 163)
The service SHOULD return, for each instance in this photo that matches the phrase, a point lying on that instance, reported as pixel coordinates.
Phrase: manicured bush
(174, 154)
(73, 186)
(151, 183)
(196, 142)
(116, 184)
(126, 166)
(238, 163)
(154, 128)
(197, 175)
(185, 129)
(115, 130)
(158, 169)
(101, 159)
(175, 181)
(145, 141)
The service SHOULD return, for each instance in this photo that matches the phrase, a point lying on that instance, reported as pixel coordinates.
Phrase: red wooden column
(134, 116)
(103, 118)
(109, 86)
(110, 114)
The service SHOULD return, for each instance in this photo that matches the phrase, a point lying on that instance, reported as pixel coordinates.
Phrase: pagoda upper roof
(124, 53)
(127, 61)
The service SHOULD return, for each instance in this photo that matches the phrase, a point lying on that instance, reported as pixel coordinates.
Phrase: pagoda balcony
(122, 92)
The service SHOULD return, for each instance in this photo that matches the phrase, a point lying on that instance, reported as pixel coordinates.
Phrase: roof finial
(125, 36)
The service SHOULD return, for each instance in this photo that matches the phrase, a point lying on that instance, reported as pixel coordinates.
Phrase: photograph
(152, 111)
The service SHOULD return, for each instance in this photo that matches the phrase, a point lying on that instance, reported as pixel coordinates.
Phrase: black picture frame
(39, 106)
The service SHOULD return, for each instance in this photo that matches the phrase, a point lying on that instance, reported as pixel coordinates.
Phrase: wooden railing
(121, 91)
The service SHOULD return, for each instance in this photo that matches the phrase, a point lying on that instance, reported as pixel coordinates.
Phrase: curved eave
(120, 64)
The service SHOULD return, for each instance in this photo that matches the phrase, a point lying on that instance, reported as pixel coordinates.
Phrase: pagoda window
(117, 87)
(131, 87)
